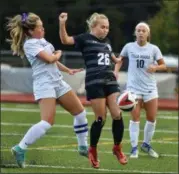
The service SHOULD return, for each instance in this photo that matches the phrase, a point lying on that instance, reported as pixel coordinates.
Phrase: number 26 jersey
(97, 56)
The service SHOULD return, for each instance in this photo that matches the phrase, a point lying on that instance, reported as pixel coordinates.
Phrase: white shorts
(51, 90)
(145, 96)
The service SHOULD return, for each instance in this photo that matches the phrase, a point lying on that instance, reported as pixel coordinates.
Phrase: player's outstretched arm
(118, 66)
(65, 38)
(68, 70)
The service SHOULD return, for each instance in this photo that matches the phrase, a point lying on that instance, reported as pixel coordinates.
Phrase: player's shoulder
(107, 40)
(32, 41)
(35, 42)
(130, 44)
(84, 35)
(153, 46)
(29, 42)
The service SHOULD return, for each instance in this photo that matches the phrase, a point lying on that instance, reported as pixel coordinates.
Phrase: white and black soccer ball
(127, 101)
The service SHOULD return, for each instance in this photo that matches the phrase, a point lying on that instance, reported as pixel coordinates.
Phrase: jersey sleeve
(157, 53)
(79, 40)
(124, 52)
(32, 49)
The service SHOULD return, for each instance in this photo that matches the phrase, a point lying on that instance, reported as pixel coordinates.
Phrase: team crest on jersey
(109, 47)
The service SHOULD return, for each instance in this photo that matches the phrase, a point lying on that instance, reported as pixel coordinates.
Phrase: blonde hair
(19, 27)
(144, 24)
(93, 20)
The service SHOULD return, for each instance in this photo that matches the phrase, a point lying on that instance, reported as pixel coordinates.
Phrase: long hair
(19, 27)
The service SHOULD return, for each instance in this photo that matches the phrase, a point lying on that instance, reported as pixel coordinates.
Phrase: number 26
(103, 59)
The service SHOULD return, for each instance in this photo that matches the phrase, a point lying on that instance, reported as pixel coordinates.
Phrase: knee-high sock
(95, 131)
(134, 132)
(34, 133)
(80, 125)
(149, 130)
(118, 130)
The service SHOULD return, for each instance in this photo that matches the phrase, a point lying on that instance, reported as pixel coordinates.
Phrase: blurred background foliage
(165, 26)
(162, 16)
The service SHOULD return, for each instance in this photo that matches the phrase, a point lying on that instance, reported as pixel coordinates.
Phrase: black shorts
(101, 91)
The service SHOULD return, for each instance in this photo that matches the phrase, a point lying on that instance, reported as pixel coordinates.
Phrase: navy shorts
(101, 90)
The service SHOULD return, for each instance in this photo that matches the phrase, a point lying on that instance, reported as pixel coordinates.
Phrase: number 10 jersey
(140, 58)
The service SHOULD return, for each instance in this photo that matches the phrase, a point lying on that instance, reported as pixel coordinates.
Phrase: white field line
(34, 106)
(71, 127)
(91, 169)
(57, 148)
(65, 112)
(104, 139)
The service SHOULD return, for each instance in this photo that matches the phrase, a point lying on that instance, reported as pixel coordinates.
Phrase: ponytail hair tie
(24, 17)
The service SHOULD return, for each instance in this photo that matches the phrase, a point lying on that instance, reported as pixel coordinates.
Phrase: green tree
(164, 27)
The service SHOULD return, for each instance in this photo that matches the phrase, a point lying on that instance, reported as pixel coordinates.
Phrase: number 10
(140, 63)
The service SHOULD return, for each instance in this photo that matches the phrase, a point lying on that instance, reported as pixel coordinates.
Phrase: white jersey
(140, 57)
(43, 72)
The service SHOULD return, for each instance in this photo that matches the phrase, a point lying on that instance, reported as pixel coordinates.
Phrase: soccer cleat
(93, 157)
(134, 152)
(148, 149)
(121, 157)
(83, 150)
(19, 155)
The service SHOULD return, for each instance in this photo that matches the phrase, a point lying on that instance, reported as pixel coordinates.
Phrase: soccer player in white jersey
(144, 60)
(27, 38)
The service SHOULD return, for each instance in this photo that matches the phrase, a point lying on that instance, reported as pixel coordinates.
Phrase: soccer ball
(127, 101)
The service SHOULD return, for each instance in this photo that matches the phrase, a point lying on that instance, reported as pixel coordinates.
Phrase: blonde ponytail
(18, 27)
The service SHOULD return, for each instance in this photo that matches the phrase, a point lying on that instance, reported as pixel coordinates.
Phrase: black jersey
(97, 55)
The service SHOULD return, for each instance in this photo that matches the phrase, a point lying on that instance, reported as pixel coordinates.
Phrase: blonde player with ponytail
(27, 39)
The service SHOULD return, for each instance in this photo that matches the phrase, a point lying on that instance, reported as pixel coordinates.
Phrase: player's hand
(58, 54)
(152, 68)
(57, 51)
(74, 71)
(63, 17)
(118, 60)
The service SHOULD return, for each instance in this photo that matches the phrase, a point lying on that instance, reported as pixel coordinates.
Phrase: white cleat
(148, 149)
(153, 154)
(134, 152)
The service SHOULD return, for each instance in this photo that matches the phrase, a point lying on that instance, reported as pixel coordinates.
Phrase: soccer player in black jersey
(100, 81)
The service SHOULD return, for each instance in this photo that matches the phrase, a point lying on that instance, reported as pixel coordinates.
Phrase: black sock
(95, 131)
(118, 130)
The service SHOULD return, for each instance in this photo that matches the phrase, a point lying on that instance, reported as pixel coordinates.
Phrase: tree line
(123, 15)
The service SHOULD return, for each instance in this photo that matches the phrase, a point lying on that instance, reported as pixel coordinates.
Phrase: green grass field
(57, 151)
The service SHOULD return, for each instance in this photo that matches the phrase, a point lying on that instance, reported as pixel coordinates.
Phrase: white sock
(149, 130)
(81, 128)
(34, 133)
(134, 132)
